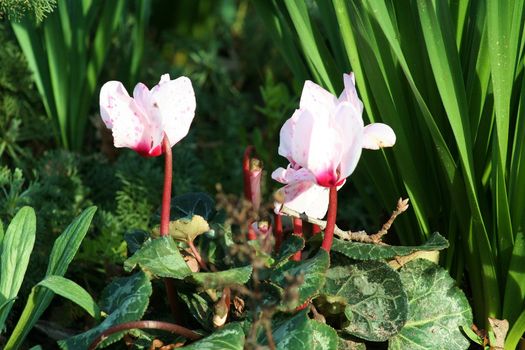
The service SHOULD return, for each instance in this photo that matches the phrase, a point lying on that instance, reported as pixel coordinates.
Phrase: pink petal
(317, 100)
(378, 135)
(350, 127)
(174, 103)
(153, 131)
(286, 135)
(349, 93)
(317, 146)
(306, 197)
(291, 175)
(120, 114)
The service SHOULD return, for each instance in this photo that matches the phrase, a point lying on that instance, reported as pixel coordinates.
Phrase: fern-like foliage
(36, 9)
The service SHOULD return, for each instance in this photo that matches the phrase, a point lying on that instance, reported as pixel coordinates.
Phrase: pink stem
(330, 220)
(197, 256)
(315, 229)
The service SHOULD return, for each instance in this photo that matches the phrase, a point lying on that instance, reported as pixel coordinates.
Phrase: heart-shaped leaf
(220, 279)
(290, 246)
(124, 300)
(437, 309)
(307, 277)
(373, 298)
(290, 333)
(160, 257)
(324, 337)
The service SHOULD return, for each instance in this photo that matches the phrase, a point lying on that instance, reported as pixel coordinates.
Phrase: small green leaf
(290, 246)
(312, 273)
(324, 336)
(369, 251)
(437, 309)
(124, 300)
(200, 307)
(221, 279)
(230, 337)
(72, 291)
(373, 298)
(189, 204)
(349, 344)
(160, 257)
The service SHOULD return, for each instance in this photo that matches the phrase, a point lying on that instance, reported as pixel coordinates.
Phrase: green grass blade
(16, 251)
(321, 65)
(516, 332)
(515, 286)
(62, 253)
(72, 291)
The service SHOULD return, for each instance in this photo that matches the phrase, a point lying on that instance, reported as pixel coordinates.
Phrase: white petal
(120, 114)
(349, 93)
(307, 197)
(317, 100)
(174, 102)
(350, 126)
(286, 135)
(378, 135)
(317, 147)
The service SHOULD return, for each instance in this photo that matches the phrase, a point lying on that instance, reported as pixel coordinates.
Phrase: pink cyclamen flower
(140, 122)
(323, 141)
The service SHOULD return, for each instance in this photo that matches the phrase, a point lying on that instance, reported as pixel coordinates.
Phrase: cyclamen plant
(264, 284)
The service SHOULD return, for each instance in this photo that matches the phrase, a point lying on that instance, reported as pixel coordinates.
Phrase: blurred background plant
(447, 76)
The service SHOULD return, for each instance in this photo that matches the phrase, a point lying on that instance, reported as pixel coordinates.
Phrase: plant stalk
(297, 230)
(165, 220)
(330, 220)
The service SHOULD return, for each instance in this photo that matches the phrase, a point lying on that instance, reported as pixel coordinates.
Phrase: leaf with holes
(371, 296)
(124, 300)
(311, 272)
(437, 309)
(369, 251)
(160, 257)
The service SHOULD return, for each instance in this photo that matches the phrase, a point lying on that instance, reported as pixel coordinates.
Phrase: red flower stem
(330, 220)
(315, 229)
(246, 172)
(166, 194)
(278, 230)
(165, 220)
(197, 255)
(165, 326)
(297, 230)
(252, 236)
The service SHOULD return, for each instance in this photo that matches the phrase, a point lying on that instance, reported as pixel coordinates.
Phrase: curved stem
(165, 326)
(166, 193)
(330, 220)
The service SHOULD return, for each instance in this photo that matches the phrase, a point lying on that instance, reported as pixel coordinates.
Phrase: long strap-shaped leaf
(15, 252)
(63, 252)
